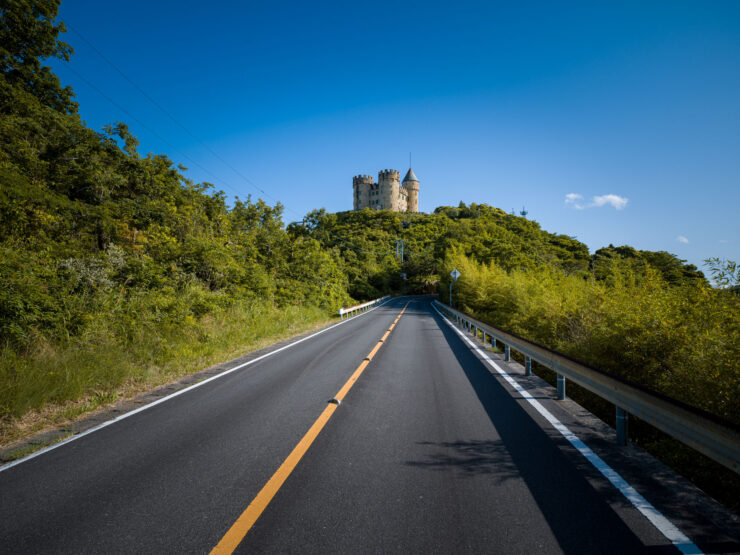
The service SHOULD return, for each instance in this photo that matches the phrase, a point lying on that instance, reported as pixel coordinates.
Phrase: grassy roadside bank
(683, 341)
(54, 384)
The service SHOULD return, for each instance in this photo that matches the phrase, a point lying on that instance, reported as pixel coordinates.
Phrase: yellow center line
(246, 520)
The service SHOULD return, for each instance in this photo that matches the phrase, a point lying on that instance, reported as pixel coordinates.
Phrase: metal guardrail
(351, 310)
(705, 432)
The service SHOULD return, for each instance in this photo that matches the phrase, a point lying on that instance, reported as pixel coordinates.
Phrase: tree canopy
(28, 35)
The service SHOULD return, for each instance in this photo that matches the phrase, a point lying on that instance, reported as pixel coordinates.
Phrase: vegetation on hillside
(113, 263)
(644, 315)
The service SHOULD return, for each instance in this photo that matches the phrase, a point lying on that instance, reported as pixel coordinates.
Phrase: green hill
(366, 242)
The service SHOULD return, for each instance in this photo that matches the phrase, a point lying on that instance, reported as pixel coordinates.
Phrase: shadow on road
(470, 458)
(578, 515)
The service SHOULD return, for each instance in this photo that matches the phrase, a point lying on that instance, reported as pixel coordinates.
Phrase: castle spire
(410, 176)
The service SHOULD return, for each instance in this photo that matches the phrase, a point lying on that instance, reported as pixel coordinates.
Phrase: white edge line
(665, 526)
(180, 392)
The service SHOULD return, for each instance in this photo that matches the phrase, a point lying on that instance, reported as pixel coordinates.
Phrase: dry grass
(100, 372)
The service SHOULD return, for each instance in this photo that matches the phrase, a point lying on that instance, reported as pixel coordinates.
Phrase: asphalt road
(429, 452)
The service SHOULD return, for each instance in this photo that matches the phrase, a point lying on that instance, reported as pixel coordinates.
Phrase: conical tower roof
(410, 176)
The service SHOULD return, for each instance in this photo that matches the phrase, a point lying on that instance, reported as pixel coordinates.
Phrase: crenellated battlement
(362, 179)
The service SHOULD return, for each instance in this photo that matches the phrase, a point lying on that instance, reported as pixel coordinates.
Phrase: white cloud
(616, 201)
(574, 198)
(723, 241)
(682, 239)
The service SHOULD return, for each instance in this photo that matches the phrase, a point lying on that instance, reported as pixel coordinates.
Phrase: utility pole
(399, 255)
(399, 249)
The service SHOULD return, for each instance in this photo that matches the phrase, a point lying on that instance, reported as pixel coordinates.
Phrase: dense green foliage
(644, 315)
(683, 341)
(366, 241)
(103, 248)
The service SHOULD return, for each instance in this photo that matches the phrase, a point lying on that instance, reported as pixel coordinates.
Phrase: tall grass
(681, 341)
(131, 346)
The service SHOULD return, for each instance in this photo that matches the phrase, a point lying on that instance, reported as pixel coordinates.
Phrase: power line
(181, 125)
(169, 115)
(145, 126)
(206, 170)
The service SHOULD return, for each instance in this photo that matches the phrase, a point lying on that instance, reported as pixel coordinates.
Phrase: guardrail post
(622, 426)
(493, 342)
(507, 353)
(527, 366)
(561, 387)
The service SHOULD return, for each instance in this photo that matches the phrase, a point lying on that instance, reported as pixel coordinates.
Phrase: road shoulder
(60, 431)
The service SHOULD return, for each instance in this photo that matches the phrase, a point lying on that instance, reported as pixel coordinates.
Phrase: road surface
(429, 451)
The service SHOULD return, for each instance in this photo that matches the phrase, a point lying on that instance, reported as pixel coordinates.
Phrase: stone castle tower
(388, 193)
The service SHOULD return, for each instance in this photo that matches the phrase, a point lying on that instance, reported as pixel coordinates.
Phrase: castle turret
(389, 183)
(411, 184)
(361, 186)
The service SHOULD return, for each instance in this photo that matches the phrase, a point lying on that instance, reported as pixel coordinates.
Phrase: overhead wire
(169, 115)
(191, 134)
(152, 131)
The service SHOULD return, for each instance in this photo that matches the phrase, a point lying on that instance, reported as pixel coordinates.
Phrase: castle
(387, 193)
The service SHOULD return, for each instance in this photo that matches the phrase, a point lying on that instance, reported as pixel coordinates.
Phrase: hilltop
(366, 243)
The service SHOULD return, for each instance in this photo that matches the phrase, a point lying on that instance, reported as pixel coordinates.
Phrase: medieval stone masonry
(387, 193)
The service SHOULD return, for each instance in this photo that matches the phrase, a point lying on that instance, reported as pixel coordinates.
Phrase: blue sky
(614, 122)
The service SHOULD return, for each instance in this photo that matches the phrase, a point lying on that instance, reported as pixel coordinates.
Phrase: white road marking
(665, 526)
(180, 392)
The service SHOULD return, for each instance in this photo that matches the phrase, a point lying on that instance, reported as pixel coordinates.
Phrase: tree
(27, 36)
(725, 273)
